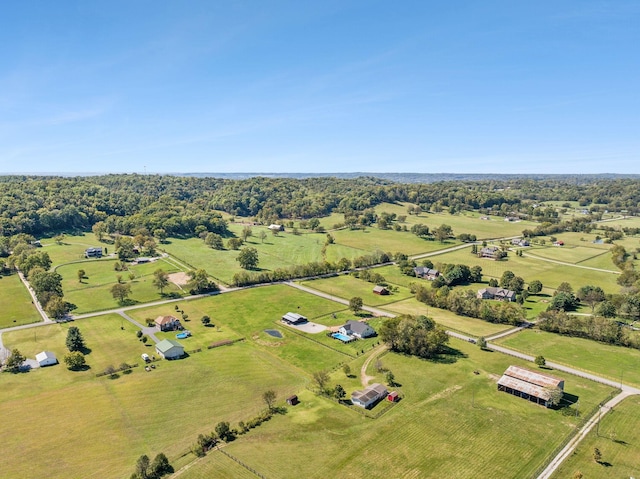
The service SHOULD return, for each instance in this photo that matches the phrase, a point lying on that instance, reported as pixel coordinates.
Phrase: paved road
(148, 330)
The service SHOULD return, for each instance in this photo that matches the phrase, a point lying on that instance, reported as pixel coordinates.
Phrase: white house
(46, 358)
(357, 329)
(369, 396)
(170, 349)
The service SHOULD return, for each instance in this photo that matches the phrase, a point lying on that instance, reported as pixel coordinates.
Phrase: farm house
(531, 385)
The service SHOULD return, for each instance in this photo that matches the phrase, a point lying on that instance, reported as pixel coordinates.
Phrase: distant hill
(420, 177)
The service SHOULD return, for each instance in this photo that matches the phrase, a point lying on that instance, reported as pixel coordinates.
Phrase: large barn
(527, 384)
(293, 318)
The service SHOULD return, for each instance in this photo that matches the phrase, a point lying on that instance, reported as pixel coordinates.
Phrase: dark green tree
(75, 341)
(248, 258)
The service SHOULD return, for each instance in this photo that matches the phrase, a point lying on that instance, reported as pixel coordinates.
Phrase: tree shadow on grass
(84, 367)
(448, 355)
(127, 302)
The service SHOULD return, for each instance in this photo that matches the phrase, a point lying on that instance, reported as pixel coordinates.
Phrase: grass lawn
(568, 254)
(599, 358)
(115, 421)
(347, 286)
(17, 307)
(472, 326)
(93, 294)
(451, 423)
(619, 434)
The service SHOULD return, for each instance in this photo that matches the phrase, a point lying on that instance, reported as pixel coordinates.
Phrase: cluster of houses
(531, 385)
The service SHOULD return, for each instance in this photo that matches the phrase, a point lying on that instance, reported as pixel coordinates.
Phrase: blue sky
(326, 86)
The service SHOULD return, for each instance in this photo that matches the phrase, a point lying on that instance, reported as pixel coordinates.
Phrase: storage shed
(46, 358)
(294, 318)
(527, 384)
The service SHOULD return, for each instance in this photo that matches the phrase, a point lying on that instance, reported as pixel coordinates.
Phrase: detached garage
(46, 358)
(170, 349)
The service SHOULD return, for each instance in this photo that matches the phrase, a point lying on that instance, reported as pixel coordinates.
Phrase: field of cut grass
(451, 423)
(569, 254)
(599, 358)
(93, 294)
(249, 312)
(617, 439)
(347, 286)
(117, 420)
(279, 251)
(372, 239)
(17, 307)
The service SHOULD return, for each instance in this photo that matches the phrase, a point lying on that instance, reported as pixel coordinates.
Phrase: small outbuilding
(170, 349)
(46, 358)
(292, 400)
(293, 318)
(275, 227)
(393, 396)
(380, 290)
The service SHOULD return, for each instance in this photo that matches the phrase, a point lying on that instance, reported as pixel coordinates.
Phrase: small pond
(273, 332)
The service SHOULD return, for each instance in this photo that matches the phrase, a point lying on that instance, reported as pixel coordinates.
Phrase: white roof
(45, 355)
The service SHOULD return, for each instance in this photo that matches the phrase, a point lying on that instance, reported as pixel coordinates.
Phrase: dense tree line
(590, 327)
(466, 303)
(178, 205)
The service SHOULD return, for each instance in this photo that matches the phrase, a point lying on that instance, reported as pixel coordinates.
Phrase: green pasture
(280, 251)
(249, 312)
(347, 286)
(117, 420)
(599, 358)
(17, 306)
(472, 326)
(93, 293)
(216, 464)
(616, 437)
(569, 254)
(620, 222)
(372, 239)
(451, 423)
(531, 268)
(464, 222)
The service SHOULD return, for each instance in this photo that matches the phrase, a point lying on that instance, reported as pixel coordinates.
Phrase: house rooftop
(166, 344)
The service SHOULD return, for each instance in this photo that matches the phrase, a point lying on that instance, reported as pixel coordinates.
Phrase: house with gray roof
(426, 273)
(359, 329)
(499, 294)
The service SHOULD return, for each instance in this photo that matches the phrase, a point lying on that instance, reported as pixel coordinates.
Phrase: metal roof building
(528, 384)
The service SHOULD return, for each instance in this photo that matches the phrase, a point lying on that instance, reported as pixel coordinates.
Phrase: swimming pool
(342, 337)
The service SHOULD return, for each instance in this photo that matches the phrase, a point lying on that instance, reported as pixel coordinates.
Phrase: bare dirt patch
(179, 279)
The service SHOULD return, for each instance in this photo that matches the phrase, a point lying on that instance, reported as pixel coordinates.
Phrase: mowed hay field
(599, 358)
(347, 286)
(100, 426)
(17, 306)
(617, 438)
(451, 423)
